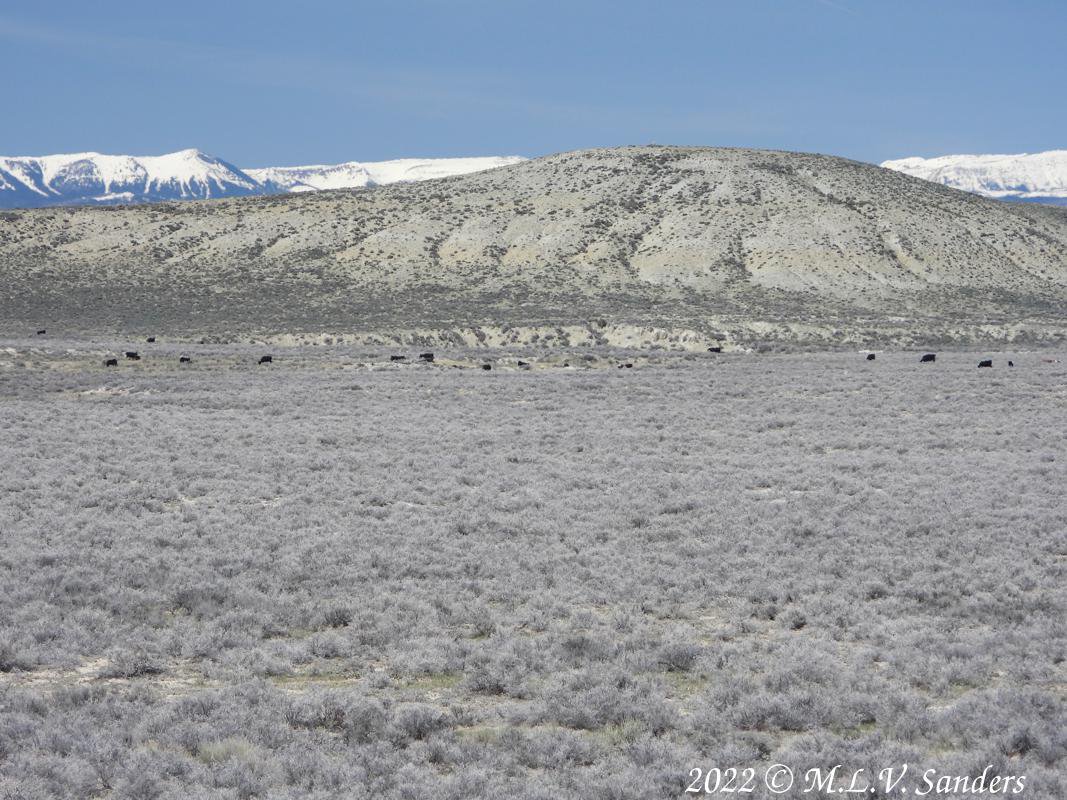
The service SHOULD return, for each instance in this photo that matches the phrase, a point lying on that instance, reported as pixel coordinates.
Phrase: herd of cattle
(427, 358)
(930, 358)
(133, 355)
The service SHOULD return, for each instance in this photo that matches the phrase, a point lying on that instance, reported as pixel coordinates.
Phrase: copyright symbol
(779, 778)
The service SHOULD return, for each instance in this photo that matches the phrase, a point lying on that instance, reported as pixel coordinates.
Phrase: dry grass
(311, 581)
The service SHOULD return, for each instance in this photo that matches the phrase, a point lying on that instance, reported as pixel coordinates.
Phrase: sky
(263, 83)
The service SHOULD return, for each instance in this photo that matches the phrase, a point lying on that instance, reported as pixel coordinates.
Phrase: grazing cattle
(151, 339)
(111, 362)
(398, 358)
(524, 364)
(487, 367)
(184, 360)
(42, 332)
(626, 366)
(266, 360)
(870, 356)
(929, 358)
(132, 355)
(428, 357)
(987, 363)
(714, 349)
(1011, 363)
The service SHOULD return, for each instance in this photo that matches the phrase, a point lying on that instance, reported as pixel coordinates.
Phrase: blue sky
(262, 83)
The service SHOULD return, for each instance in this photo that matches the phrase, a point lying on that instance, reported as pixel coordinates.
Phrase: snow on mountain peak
(1032, 177)
(76, 178)
(355, 174)
(96, 178)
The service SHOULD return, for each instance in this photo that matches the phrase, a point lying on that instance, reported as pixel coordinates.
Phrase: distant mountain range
(356, 175)
(1027, 177)
(97, 179)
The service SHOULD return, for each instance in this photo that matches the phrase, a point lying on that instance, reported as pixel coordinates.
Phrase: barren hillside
(737, 245)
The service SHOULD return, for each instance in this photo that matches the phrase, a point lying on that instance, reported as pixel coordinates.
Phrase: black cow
(929, 358)
(132, 355)
(1011, 363)
(184, 360)
(714, 349)
(487, 367)
(626, 366)
(42, 332)
(870, 356)
(398, 358)
(266, 360)
(428, 357)
(987, 363)
(524, 364)
(111, 362)
(151, 339)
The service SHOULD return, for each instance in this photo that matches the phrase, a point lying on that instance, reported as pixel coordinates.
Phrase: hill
(745, 246)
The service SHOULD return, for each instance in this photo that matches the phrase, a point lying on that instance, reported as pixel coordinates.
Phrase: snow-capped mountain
(96, 179)
(354, 174)
(1029, 177)
(93, 178)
